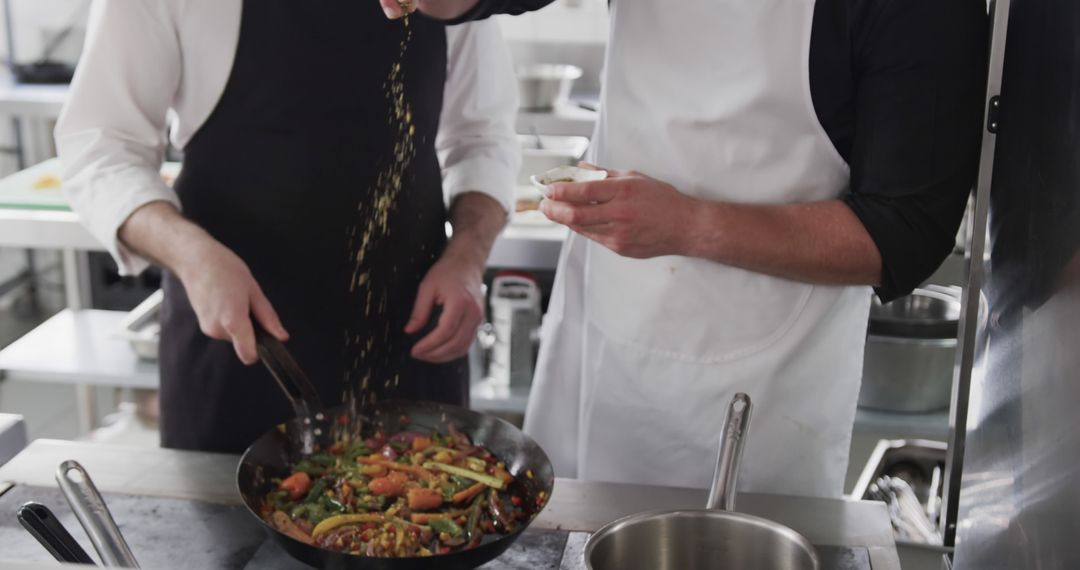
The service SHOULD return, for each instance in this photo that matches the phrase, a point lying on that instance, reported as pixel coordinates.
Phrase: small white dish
(544, 181)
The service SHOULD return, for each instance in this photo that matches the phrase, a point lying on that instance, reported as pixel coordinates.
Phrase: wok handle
(732, 441)
(40, 522)
(94, 516)
(287, 372)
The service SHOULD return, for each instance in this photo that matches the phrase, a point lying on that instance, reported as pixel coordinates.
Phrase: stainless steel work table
(574, 506)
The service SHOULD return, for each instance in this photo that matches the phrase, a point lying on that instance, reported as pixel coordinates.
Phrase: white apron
(639, 358)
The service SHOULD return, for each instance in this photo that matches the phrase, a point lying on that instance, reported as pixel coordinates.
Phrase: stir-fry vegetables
(409, 494)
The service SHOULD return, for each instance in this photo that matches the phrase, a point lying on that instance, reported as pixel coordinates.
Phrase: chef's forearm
(817, 242)
(477, 220)
(159, 232)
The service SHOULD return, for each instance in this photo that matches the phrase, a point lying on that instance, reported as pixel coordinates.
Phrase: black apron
(280, 173)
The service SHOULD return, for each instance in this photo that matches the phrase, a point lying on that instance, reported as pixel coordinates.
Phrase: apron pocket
(687, 308)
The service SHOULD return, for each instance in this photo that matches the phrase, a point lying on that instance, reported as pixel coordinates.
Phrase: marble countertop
(576, 508)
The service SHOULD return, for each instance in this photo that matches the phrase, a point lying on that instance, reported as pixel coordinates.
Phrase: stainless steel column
(976, 251)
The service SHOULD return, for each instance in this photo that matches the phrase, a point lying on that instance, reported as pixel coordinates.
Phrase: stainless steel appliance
(515, 317)
(1020, 487)
(1013, 490)
(910, 351)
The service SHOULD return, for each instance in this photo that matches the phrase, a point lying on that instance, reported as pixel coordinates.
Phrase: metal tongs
(293, 382)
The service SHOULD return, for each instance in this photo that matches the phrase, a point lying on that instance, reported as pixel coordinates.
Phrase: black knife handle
(40, 522)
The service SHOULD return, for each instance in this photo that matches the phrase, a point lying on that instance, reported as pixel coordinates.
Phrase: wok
(272, 454)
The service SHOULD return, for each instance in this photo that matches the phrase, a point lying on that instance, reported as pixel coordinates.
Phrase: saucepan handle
(94, 516)
(732, 440)
(40, 522)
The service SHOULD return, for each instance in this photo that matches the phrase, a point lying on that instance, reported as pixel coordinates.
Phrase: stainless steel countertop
(575, 505)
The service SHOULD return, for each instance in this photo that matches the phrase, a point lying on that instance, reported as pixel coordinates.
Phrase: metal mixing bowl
(910, 352)
(542, 85)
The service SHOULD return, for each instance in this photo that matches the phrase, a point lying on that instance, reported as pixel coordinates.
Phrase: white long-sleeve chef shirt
(153, 69)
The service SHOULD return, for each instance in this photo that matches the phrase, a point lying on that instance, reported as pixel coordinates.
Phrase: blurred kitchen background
(78, 341)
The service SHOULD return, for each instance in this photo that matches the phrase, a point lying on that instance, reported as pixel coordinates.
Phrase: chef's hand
(219, 285)
(438, 9)
(456, 284)
(226, 296)
(629, 213)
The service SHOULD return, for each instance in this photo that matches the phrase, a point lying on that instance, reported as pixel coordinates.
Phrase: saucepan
(716, 537)
(40, 522)
(272, 454)
(94, 515)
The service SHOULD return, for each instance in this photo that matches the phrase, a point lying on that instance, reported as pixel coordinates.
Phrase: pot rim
(615, 526)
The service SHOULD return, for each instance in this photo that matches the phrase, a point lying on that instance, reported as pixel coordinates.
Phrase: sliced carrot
(504, 475)
(398, 477)
(297, 484)
(462, 496)
(424, 499)
(386, 487)
(421, 443)
(420, 472)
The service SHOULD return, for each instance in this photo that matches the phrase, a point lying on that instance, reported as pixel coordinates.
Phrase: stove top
(175, 533)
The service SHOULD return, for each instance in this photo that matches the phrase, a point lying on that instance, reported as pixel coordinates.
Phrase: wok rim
(501, 543)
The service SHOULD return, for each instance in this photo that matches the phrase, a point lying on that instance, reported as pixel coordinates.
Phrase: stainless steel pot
(910, 352)
(541, 86)
(716, 537)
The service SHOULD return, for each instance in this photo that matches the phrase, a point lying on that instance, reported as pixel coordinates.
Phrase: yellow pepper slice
(330, 523)
(467, 474)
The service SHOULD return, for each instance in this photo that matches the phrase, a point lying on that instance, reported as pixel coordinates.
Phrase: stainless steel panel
(971, 301)
(1020, 498)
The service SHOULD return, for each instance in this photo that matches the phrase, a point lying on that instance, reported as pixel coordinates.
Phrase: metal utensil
(90, 509)
(40, 522)
(287, 372)
(704, 539)
(910, 352)
(542, 86)
(535, 132)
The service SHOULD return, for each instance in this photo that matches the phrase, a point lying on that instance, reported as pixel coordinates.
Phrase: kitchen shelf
(528, 247)
(78, 347)
(83, 347)
(567, 118)
(487, 396)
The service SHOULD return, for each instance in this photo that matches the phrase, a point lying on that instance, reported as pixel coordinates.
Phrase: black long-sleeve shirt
(898, 86)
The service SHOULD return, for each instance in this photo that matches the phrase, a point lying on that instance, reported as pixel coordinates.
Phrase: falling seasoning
(373, 215)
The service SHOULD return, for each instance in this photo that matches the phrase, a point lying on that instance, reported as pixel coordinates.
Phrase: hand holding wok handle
(94, 516)
(732, 441)
(40, 522)
(293, 381)
(287, 372)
